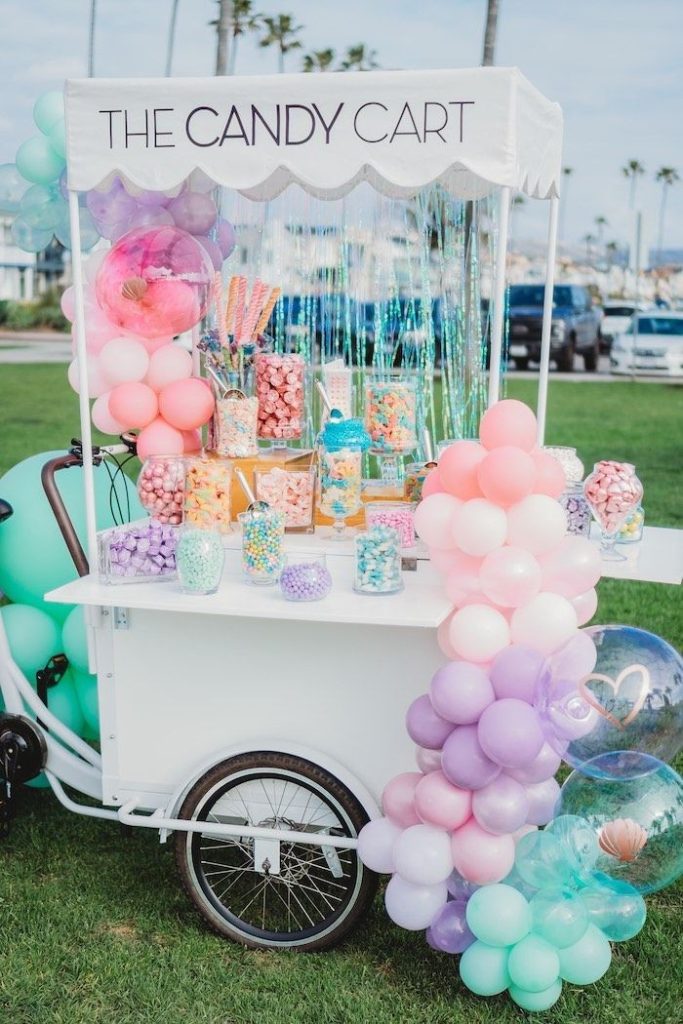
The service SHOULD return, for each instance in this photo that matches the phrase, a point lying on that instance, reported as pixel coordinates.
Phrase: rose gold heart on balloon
(615, 684)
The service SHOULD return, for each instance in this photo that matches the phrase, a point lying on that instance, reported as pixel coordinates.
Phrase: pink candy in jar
(612, 490)
(290, 492)
(280, 393)
(398, 515)
(161, 488)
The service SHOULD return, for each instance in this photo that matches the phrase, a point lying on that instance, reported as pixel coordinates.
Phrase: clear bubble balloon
(28, 238)
(559, 916)
(634, 804)
(40, 207)
(12, 188)
(617, 909)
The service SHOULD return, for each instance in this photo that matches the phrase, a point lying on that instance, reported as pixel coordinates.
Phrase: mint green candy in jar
(199, 558)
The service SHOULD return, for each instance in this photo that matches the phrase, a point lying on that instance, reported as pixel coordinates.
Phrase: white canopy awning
(470, 130)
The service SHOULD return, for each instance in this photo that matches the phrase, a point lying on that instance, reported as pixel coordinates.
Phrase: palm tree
(601, 223)
(318, 60)
(612, 248)
(668, 176)
(633, 170)
(171, 38)
(359, 58)
(566, 174)
(244, 19)
(589, 239)
(517, 203)
(222, 24)
(281, 32)
(490, 33)
(91, 39)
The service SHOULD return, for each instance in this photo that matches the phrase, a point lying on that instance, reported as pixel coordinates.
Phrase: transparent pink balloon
(155, 282)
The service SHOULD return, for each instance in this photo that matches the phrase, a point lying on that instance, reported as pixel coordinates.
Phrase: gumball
(425, 726)
(102, 417)
(478, 632)
(537, 524)
(542, 798)
(549, 476)
(536, 1001)
(422, 855)
(546, 622)
(478, 526)
(133, 404)
(98, 382)
(438, 802)
(463, 761)
(432, 484)
(398, 799)
(193, 212)
(376, 843)
(434, 518)
(559, 915)
(460, 691)
(498, 915)
(572, 568)
(411, 906)
(586, 960)
(517, 672)
(506, 475)
(502, 806)
(509, 422)
(160, 438)
(123, 360)
(449, 932)
(480, 856)
(533, 964)
(510, 576)
(186, 404)
(510, 733)
(458, 467)
(483, 969)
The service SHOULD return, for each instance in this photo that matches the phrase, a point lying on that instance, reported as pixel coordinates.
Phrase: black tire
(521, 362)
(565, 360)
(590, 360)
(359, 885)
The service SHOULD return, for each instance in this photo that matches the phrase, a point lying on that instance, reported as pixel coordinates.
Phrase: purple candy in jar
(305, 578)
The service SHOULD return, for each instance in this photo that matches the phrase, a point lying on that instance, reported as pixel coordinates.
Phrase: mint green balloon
(498, 915)
(33, 637)
(37, 161)
(75, 640)
(559, 916)
(536, 1001)
(86, 690)
(587, 960)
(47, 109)
(483, 969)
(12, 188)
(533, 964)
(62, 701)
(57, 137)
(40, 207)
(28, 238)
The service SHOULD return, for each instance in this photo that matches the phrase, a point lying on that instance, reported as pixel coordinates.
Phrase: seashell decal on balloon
(134, 288)
(622, 838)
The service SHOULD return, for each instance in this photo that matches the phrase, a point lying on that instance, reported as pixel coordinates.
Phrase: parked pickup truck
(575, 326)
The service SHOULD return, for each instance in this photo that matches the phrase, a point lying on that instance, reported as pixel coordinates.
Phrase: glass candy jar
(290, 491)
(279, 382)
(305, 577)
(378, 561)
(138, 552)
(577, 510)
(233, 426)
(339, 484)
(200, 559)
(613, 491)
(415, 475)
(207, 493)
(391, 417)
(632, 530)
(399, 515)
(262, 544)
(161, 487)
(569, 460)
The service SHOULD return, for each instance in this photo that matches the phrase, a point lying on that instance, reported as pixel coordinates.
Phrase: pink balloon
(537, 523)
(509, 422)
(98, 382)
(102, 417)
(432, 484)
(444, 561)
(443, 638)
(433, 520)
(510, 576)
(479, 526)
(153, 344)
(478, 632)
(506, 475)
(501, 807)
(572, 568)
(124, 359)
(168, 364)
(462, 582)
(550, 478)
(545, 623)
(585, 606)
(160, 438)
(192, 441)
(68, 303)
(438, 802)
(458, 467)
(481, 857)
(133, 404)
(398, 799)
(186, 404)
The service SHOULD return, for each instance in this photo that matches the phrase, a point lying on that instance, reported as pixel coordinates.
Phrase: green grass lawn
(93, 926)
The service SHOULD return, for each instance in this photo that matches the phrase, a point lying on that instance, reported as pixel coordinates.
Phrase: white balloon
(422, 855)
(479, 527)
(124, 360)
(376, 843)
(537, 523)
(428, 760)
(98, 382)
(414, 907)
(478, 632)
(546, 623)
(434, 519)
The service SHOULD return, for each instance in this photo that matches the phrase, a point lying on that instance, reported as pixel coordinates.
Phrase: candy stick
(267, 311)
(254, 311)
(232, 300)
(220, 310)
(239, 311)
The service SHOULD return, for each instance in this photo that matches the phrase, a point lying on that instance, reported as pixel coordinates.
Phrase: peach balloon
(398, 799)
(438, 802)
(509, 422)
(192, 441)
(133, 404)
(102, 417)
(160, 438)
(433, 484)
(98, 381)
(585, 606)
(168, 364)
(433, 520)
(478, 632)
(479, 856)
(124, 359)
(506, 475)
(458, 469)
(550, 478)
(186, 404)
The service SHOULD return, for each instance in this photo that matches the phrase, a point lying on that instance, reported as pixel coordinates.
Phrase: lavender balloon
(544, 766)
(449, 932)
(213, 249)
(517, 672)
(424, 726)
(225, 236)
(194, 212)
(458, 887)
(542, 797)
(510, 733)
(460, 691)
(464, 763)
(502, 806)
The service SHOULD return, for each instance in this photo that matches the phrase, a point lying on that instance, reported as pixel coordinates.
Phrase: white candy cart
(260, 732)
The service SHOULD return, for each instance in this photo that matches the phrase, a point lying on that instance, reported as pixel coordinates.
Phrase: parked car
(652, 344)
(575, 325)
(616, 317)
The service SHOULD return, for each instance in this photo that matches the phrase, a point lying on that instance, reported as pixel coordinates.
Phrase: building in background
(24, 275)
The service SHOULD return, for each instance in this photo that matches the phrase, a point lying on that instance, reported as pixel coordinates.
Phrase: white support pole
(83, 402)
(542, 402)
(499, 294)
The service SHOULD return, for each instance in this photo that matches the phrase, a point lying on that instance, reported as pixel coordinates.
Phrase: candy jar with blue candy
(378, 561)
(340, 458)
(391, 417)
(263, 531)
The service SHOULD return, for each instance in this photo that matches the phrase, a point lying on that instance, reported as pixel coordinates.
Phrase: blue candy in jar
(378, 561)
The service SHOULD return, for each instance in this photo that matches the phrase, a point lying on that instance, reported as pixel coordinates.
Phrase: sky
(615, 67)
